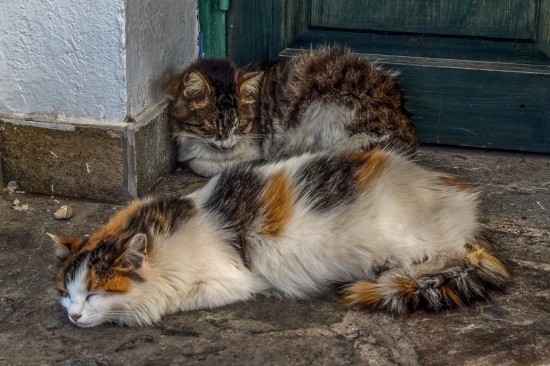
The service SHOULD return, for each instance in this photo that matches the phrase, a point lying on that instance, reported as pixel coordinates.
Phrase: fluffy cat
(392, 235)
(325, 99)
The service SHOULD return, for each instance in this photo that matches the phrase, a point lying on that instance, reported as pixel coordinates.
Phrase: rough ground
(513, 329)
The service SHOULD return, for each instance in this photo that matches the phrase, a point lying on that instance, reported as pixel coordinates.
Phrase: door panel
(475, 72)
(513, 19)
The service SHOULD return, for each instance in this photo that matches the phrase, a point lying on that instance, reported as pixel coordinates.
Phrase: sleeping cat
(392, 235)
(326, 99)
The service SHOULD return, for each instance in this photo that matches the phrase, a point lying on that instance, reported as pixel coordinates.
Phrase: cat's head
(97, 277)
(215, 103)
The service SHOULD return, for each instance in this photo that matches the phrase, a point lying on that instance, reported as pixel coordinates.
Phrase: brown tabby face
(212, 103)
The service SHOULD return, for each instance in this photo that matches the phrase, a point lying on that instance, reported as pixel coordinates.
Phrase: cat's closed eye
(208, 134)
(90, 296)
(193, 122)
(63, 292)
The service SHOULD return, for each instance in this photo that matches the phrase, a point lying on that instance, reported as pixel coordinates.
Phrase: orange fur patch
(405, 286)
(117, 283)
(116, 226)
(249, 87)
(198, 105)
(452, 181)
(374, 162)
(72, 244)
(277, 203)
(364, 294)
(451, 295)
(480, 256)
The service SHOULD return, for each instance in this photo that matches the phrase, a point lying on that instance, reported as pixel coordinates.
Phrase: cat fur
(392, 235)
(325, 99)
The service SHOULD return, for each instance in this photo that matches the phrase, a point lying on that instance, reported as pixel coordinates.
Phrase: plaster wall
(93, 61)
(63, 60)
(71, 73)
(161, 35)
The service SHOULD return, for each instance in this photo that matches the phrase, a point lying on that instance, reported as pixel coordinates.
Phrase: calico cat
(326, 99)
(393, 235)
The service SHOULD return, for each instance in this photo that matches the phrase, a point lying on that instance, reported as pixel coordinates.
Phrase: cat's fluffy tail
(432, 285)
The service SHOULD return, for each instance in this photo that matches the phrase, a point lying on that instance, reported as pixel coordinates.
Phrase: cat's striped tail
(432, 285)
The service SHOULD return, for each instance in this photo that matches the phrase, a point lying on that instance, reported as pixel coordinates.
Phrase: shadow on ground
(513, 329)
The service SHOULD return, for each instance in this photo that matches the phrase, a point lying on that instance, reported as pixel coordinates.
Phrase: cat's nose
(226, 144)
(75, 316)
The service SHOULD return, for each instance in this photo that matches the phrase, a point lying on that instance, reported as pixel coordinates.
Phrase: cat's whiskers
(256, 137)
(195, 139)
(118, 312)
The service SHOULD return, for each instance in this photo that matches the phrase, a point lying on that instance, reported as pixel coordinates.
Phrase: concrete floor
(513, 329)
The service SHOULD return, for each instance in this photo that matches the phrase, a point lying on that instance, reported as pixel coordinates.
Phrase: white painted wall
(63, 59)
(95, 61)
(160, 36)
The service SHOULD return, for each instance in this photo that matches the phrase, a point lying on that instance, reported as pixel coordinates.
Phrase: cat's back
(340, 186)
(327, 96)
(330, 210)
(336, 72)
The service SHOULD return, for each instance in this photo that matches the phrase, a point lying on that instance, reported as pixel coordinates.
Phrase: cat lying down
(394, 236)
(326, 99)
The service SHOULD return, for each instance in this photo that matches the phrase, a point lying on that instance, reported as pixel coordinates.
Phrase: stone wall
(82, 109)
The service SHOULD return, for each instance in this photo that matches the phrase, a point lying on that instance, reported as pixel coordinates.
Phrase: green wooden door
(476, 72)
(512, 19)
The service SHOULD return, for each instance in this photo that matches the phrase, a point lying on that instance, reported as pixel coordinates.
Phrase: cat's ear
(249, 86)
(174, 88)
(135, 252)
(195, 86)
(64, 246)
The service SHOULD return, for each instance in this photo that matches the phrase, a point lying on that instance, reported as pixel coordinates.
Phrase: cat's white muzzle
(226, 144)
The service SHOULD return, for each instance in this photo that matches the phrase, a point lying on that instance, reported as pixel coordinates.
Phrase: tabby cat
(326, 99)
(388, 233)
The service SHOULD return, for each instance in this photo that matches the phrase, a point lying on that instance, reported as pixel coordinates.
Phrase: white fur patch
(207, 161)
(321, 128)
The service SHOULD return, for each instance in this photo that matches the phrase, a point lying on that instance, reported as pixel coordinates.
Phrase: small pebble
(64, 212)
(24, 207)
(16, 202)
(13, 186)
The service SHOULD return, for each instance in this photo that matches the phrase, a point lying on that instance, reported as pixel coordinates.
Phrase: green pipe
(212, 24)
(223, 5)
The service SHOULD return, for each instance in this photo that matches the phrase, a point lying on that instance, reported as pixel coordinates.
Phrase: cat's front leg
(207, 168)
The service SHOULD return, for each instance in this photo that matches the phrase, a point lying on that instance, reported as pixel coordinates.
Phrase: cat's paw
(206, 168)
